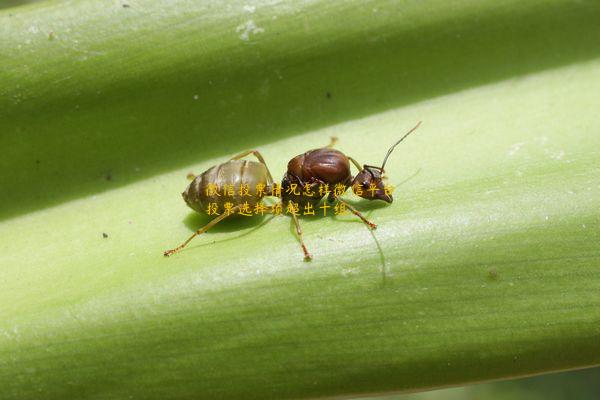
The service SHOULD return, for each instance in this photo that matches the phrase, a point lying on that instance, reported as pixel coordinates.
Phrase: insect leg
(260, 158)
(307, 256)
(334, 139)
(201, 231)
(356, 164)
(357, 213)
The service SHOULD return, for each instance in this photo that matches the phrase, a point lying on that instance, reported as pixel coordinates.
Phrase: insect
(316, 168)
(235, 173)
(312, 168)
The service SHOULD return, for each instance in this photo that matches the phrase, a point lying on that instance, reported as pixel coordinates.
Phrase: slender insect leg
(334, 139)
(307, 256)
(201, 231)
(359, 168)
(356, 164)
(260, 158)
(357, 213)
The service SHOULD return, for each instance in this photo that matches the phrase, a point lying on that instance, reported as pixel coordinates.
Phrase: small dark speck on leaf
(328, 94)
(37, 162)
(493, 274)
(104, 235)
(126, 6)
(108, 176)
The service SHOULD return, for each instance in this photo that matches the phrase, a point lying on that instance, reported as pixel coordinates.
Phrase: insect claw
(307, 256)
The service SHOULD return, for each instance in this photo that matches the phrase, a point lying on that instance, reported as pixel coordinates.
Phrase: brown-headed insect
(311, 171)
(313, 168)
(236, 173)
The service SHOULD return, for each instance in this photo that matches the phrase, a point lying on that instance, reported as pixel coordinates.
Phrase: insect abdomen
(201, 191)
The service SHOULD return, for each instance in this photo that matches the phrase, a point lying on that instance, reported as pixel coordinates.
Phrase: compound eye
(365, 183)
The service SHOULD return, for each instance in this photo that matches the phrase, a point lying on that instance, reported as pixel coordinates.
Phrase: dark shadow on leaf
(66, 137)
(16, 3)
(414, 175)
(233, 223)
(381, 258)
(195, 221)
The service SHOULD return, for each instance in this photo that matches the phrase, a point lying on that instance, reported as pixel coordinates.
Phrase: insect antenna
(395, 144)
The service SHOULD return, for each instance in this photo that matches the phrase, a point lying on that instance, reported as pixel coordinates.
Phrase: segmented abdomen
(201, 191)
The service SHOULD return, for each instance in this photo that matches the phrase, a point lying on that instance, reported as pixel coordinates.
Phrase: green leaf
(484, 267)
(581, 384)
